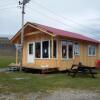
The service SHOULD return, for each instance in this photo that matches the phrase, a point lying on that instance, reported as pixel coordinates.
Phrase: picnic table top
(83, 66)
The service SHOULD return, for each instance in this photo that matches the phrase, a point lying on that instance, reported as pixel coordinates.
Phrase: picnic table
(75, 69)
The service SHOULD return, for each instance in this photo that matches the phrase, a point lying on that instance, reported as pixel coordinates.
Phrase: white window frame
(28, 47)
(75, 49)
(61, 50)
(72, 51)
(48, 49)
(67, 45)
(40, 48)
(88, 50)
(41, 41)
(56, 49)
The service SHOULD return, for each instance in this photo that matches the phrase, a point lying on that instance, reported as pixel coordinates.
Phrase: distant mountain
(4, 40)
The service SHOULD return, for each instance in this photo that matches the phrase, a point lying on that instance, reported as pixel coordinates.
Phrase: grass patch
(9, 82)
(6, 60)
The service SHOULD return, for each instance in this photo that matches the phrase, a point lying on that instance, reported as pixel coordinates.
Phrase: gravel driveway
(53, 95)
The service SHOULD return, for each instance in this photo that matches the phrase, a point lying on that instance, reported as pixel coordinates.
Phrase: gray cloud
(85, 16)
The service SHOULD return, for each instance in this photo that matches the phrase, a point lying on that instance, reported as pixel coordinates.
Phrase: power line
(49, 10)
(6, 8)
(44, 7)
(53, 12)
(51, 18)
(41, 13)
(7, 4)
(58, 21)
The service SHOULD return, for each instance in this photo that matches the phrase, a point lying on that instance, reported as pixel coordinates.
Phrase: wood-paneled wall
(59, 62)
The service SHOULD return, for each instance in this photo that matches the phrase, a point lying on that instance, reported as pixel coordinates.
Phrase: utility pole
(22, 4)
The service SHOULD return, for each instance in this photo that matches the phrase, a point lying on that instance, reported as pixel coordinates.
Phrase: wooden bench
(75, 69)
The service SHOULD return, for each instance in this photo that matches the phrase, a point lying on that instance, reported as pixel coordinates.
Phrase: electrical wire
(49, 10)
(54, 13)
(7, 4)
(58, 21)
(51, 18)
(6, 8)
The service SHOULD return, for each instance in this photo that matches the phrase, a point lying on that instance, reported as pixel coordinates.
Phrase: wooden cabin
(47, 47)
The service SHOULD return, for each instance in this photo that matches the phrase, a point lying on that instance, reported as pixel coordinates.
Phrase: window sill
(77, 54)
(64, 59)
(67, 59)
(46, 58)
(91, 55)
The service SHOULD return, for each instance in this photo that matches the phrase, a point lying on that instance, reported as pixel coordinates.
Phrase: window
(64, 49)
(54, 48)
(70, 50)
(37, 50)
(30, 48)
(67, 50)
(91, 50)
(77, 48)
(45, 49)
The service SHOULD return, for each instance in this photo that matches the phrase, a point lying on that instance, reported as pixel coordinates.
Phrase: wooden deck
(42, 69)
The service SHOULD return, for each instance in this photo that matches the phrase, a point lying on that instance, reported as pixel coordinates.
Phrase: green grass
(6, 60)
(34, 83)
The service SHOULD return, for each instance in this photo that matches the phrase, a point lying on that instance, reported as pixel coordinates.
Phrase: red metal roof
(59, 32)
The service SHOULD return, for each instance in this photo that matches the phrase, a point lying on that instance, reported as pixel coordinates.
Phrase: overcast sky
(82, 16)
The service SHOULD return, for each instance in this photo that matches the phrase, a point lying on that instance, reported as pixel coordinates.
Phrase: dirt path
(53, 95)
(72, 95)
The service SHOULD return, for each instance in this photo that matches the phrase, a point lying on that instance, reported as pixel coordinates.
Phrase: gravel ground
(53, 95)
(3, 69)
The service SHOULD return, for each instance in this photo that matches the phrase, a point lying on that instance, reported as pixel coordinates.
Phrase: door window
(45, 49)
(30, 48)
(37, 50)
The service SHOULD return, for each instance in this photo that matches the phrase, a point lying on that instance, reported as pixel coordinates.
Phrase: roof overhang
(33, 26)
(53, 32)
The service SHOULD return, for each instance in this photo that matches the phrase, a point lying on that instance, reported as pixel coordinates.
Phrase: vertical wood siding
(59, 62)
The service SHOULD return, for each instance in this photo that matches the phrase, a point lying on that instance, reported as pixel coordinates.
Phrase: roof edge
(49, 32)
(33, 25)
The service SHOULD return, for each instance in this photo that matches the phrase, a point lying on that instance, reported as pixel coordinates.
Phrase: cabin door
(31, 52)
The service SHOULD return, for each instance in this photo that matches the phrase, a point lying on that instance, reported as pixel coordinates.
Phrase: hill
(6, 48)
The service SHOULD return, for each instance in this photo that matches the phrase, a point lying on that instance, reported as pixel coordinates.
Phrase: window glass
(67, 49)
(38, 50)
(64, 49)
(45, 49)
(77, 48)
(91, 50)
(54, 49)
(30, 48)
(70, 51)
